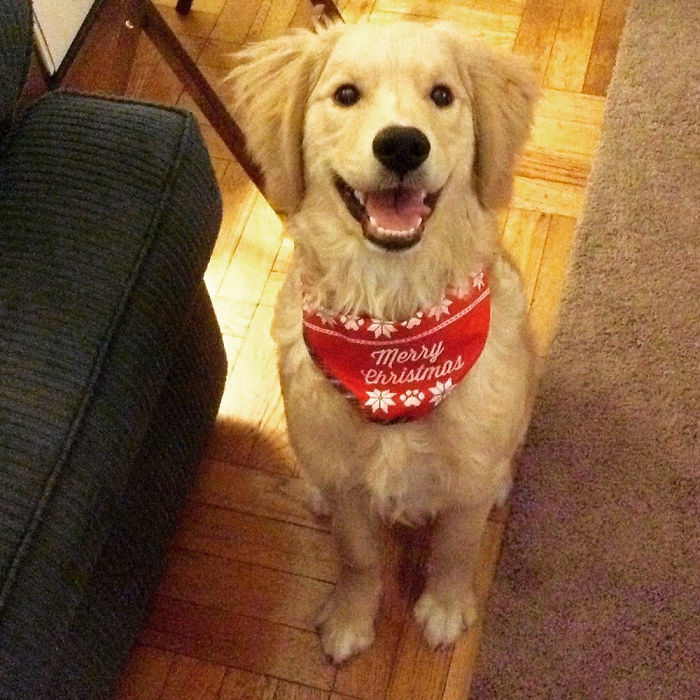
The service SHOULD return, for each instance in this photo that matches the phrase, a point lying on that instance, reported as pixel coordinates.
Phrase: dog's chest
(410, 478)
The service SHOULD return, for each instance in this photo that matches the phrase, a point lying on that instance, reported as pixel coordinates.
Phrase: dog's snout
(401, 148)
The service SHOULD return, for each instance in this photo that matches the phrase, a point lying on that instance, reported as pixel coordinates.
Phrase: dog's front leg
(448, 604)
(346, 622)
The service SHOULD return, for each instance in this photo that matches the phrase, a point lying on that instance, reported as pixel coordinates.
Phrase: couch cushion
(109, 213)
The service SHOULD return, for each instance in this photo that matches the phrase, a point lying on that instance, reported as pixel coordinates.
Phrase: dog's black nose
(401, 148)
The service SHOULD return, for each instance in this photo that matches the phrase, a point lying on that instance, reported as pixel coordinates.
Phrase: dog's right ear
(503, 91)
(272, 81)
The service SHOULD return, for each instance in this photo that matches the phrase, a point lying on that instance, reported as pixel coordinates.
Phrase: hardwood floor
(249, 566)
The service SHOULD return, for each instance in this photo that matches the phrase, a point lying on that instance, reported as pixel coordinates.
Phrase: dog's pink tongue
(397, 210)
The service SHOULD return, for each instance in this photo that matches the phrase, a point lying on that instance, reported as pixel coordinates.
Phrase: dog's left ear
(272, 81)
(503, 92)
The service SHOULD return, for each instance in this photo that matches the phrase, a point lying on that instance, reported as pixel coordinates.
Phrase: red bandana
(400, 371)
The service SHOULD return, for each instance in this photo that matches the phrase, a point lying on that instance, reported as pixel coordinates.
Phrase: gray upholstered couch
(111, 367)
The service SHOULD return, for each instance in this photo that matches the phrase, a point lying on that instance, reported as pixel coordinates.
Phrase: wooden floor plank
(295, 691)
(355, 10)
(568, 61)
(227, 638)
(548, 196)
(570, 106)
(536, 32)
(154, 82)
(145, 675)
(550, 282)
(192, 678)
(245, 685)
(495, 29)
(552, 135)
(418, 672)
(243, 589)
(238, 487)
(465, 651)
(251, 398)
(524, 238)
(253, 539)
(421, 672)
(249, 268)
(238, 196)
(236, 20)
(197, 23)
(605, 44)
(369, 675)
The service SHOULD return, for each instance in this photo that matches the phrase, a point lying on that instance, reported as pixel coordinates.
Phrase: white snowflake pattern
(352, 323)
(381, 328)
(326, 317)
(440, 309)
(412, 397)
(380, 400)
(478, 280)
(413, 321)
(440, 391)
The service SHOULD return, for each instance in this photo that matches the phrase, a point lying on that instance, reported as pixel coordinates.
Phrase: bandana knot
(401, 370)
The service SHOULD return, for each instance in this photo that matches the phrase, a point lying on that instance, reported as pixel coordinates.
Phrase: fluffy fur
(453, 465)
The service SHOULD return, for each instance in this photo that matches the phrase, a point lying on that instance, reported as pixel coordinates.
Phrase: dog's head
(379, 123)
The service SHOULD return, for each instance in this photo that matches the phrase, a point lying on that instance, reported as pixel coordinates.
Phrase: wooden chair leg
(183, 6)
(329, 9)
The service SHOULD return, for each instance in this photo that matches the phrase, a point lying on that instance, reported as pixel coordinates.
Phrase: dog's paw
(444, 618)
(344, 630)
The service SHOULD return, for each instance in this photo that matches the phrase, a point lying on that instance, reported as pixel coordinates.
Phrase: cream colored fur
(453, 465)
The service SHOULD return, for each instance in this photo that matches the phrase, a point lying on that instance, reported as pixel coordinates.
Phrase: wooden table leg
(105, 49)
(198, 87)
(183, 6)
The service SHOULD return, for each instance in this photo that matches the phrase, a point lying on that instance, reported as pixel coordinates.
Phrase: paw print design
(412, 397)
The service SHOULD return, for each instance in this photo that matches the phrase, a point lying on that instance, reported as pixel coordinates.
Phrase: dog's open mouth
(393, 219)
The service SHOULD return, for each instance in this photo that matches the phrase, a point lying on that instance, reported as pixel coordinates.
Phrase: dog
(405, 360)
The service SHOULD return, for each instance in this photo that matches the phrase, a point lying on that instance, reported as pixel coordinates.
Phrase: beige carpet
(597, 592)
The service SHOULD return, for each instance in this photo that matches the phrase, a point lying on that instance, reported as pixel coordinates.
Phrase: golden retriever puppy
(404, 356)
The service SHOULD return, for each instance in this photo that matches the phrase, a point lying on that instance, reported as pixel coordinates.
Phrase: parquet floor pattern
(249, 566)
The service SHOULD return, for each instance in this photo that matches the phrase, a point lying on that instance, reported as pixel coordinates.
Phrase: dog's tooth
(393, 232)
(359, 196)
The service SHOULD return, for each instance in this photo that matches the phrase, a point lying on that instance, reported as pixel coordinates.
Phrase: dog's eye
(442, 96)
(346, 95)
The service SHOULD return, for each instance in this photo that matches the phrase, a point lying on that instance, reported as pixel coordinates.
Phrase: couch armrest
(109, 213)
